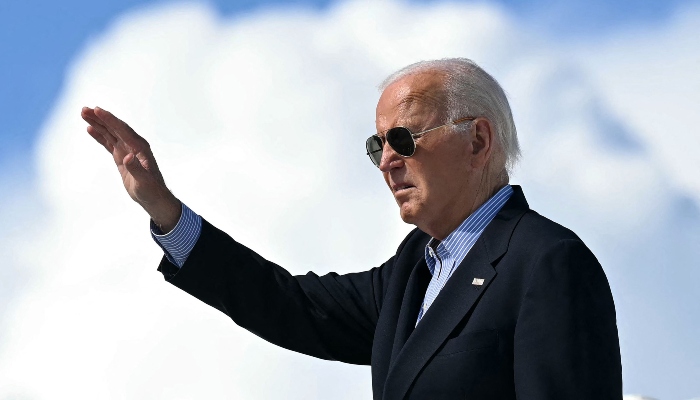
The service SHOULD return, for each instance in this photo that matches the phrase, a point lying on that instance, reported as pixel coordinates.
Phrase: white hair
(471, 92)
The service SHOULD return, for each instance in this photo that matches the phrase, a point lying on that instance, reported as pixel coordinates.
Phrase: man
(485, 299)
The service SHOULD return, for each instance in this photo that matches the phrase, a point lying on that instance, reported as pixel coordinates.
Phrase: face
(434, 188)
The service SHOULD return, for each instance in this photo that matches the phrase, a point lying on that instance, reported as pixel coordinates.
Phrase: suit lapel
(387, 326)
(452, 304)
(413, 348)
(412, 300)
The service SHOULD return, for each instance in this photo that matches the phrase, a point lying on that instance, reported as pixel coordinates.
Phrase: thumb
(133, 165)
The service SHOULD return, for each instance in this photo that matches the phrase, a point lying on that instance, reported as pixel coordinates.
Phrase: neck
(486, 189)
(488, 186)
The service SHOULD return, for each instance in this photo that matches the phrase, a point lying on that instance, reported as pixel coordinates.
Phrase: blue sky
(39, 38)
(577, 74)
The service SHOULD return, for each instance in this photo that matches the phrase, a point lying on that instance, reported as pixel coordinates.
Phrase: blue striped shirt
(443, 257)
(178, 243)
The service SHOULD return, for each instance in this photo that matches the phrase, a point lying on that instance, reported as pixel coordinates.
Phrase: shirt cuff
(178, 243)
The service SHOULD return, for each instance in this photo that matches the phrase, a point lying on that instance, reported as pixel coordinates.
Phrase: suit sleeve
(566, 344)
(330, 317)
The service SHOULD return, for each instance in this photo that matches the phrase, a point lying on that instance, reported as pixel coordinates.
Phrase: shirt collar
(473, 225)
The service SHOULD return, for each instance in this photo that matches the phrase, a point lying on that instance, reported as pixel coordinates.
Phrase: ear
(482, 141)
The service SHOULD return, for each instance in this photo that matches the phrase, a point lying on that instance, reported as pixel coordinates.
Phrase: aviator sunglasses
(401, 139)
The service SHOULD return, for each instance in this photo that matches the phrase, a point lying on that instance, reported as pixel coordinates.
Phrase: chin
(408, 214)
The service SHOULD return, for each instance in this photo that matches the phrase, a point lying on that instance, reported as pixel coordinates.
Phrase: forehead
(415, 93)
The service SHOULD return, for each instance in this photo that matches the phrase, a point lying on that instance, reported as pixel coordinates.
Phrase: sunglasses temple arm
(465, 119)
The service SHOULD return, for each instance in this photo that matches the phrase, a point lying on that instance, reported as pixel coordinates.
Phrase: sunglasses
(401, 139)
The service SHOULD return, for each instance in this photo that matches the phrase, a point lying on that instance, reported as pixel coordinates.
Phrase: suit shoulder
(536, 232)
(540, 244)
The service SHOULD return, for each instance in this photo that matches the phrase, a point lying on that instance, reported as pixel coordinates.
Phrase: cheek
(386, 179)
(443, 181)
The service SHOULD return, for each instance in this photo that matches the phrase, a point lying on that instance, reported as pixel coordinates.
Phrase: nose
(390, 159)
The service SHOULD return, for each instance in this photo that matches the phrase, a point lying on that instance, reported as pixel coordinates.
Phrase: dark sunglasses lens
(401, 141)
(374, 149)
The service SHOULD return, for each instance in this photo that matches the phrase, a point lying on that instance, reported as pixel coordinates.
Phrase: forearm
(330, 317)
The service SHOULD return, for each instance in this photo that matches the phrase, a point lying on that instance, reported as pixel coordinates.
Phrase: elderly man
(485, 299)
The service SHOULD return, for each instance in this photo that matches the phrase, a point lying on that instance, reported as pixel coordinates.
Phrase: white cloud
(650, 80)
(259, 124)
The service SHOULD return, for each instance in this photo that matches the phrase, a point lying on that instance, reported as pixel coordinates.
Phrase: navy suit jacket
(541, 326)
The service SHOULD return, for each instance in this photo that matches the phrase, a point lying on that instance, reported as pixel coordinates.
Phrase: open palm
(135, 162)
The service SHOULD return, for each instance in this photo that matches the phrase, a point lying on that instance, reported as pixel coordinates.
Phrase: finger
(100, 129)
(100, 139)
(97, 130)
(87, 111)
(89, 116)
(121, 130)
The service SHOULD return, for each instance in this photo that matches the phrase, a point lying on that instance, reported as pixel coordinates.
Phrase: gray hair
(471, 92)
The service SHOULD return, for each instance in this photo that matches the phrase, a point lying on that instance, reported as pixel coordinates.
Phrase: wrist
(166, 214)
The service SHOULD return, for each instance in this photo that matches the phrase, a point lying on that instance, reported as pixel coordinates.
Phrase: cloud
(258, 124)
(650, 80)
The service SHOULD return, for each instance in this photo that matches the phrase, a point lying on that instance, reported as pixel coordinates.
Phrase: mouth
(400, 188)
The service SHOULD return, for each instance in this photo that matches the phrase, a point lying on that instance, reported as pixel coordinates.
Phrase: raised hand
(136, 164)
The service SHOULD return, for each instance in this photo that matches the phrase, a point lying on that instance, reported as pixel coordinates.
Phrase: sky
(231, 95)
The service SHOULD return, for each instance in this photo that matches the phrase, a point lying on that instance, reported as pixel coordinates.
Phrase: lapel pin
(478, 282)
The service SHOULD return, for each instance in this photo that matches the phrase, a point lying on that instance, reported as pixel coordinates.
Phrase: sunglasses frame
(414, 136)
